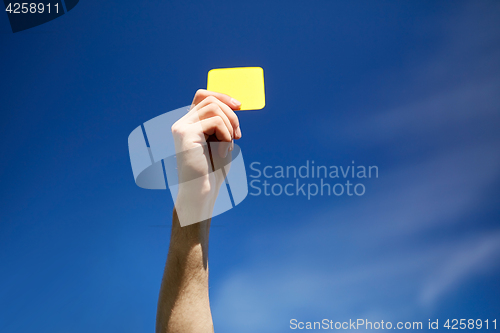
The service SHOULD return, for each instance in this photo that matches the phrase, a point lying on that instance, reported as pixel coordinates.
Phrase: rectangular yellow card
(246, 84)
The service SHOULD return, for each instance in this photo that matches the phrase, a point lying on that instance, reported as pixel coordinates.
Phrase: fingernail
(236, 103)
(231, 146)
(238, 132)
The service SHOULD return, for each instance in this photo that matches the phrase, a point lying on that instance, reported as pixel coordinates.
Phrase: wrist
(195, 203)
(185, 240)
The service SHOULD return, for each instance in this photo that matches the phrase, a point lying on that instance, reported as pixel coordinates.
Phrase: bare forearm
(183, 304)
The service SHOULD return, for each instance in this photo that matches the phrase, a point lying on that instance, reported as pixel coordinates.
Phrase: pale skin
(183, 304)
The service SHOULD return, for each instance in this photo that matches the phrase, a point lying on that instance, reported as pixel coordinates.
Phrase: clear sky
(409, 87)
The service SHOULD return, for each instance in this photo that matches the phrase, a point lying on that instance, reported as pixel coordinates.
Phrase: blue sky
(411, 87)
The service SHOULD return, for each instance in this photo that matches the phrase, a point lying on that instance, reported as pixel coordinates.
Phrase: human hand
(203, 143)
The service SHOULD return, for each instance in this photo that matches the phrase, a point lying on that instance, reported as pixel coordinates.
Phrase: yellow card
(246, 84)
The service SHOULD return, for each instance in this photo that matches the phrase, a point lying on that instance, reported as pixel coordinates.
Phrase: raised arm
(183, 304)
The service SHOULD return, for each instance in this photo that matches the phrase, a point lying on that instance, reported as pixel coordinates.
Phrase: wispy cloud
(265, 296)
(378, 259)
(475, 258)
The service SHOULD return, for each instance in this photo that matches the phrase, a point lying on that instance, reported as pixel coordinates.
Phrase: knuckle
(200, 92)
(211, 109)
(173, 129)
(219, 121)
(176, 128)
(211, 99)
